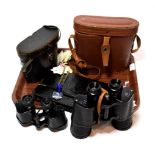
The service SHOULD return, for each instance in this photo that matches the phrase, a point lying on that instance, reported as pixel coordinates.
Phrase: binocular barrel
(25, 110)
(124, 110)
(85, 114)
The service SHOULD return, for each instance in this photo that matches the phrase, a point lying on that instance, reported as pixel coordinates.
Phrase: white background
(18, 19)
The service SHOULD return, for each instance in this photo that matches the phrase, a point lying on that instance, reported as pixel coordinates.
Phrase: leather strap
(136, 107)
(25, 66)
(138, 40)
(105, 50)
(78, 61)
(99, 103)
(82, 64)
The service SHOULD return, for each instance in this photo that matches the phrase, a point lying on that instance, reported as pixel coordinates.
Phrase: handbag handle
(138, 40)
(82, 64)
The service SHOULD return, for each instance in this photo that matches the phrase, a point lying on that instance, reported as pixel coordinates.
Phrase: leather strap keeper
(105, 50)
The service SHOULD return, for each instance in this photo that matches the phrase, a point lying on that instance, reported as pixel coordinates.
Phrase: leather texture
(38, 41)
(90, 32)
(106, 26)
(38, 52)
(105, 50)
(80, 66)
(42, 43)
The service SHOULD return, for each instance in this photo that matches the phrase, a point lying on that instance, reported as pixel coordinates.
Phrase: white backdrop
(18, 19)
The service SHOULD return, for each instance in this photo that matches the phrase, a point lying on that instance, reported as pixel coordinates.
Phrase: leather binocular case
(38, 52)
(104, 43)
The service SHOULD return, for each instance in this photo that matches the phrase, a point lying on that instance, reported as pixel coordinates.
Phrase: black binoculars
(116, 106)
(46, 116)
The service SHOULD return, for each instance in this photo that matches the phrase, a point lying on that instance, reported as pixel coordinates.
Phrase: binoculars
(116, 106)
(46, 116)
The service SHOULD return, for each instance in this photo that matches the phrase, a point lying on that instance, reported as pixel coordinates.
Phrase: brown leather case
(105, 42)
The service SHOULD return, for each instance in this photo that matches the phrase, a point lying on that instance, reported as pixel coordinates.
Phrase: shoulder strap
(82, 64)
(138, 40)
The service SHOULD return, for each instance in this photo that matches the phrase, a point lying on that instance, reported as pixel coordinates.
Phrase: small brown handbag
(103, 44)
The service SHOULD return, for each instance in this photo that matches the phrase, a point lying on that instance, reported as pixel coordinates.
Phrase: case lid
(38, 41)
(107, 26)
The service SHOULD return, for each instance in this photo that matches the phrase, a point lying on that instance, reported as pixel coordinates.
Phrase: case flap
(108, 26)
(39, 40)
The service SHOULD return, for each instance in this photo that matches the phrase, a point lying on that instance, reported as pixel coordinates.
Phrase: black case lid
(42, 38)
